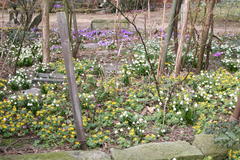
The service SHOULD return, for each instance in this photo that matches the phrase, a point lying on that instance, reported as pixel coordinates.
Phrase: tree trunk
(45, 39)
(193, 20)
(75, 28)
(205, 32)
(236, 112)
(149, 20)
(182, 39)
(163, 54)
(175, 28)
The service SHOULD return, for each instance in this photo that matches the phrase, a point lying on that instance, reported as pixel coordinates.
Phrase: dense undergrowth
(123, 108)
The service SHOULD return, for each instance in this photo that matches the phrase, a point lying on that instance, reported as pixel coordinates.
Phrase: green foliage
(226, 133)
(20, 81)
(230, 49)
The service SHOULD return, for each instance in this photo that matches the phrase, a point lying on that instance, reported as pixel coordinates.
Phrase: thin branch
(144, 45)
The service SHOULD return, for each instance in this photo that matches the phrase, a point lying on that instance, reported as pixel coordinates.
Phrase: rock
(108, 24)
(205, 143)
(33, 91)
(90, 155)
(40, 156)
(159, 151)
(71, 155)
(57, 76)
(91, 46)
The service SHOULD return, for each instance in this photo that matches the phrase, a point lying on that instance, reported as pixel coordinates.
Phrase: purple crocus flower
(34, 29)
(55, 47)
(217, 54)
(124, 31)
(57, 6)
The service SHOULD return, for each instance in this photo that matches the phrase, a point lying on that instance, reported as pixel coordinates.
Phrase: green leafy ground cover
(121, 109)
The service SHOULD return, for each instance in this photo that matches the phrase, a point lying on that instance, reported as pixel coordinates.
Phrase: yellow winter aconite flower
(132, 132)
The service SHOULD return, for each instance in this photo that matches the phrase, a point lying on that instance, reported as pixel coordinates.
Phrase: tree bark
(205, 32)
(182, 39)
(175, 28)
(163, 53)
(75, 28)
(45, 39)
(236, 113)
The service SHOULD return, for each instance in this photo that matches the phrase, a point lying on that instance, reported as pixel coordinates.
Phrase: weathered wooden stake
(64, 35)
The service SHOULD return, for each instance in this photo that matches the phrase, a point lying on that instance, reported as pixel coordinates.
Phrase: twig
(144, 46)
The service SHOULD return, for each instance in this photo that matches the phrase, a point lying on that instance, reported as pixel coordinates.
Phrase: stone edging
(203, 146)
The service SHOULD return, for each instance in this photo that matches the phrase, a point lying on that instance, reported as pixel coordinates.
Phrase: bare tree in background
(163, 53)
(45, 39)
(205, 32)
(236, 113)
(182, 39)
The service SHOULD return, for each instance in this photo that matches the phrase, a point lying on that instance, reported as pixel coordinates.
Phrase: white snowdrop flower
(121, 130)
(174, 159)
(163, 130)
(181, 119)
(186, 109)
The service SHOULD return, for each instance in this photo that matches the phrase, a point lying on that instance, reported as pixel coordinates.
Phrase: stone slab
(159, 151)
(70, 155)
(90, 155)
(40, 156)
(205, 142)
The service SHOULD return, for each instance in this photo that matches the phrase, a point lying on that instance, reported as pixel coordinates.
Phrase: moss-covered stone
(72, 155)
(90, 155)
(40, 156)
(159, 151)
(205, 143)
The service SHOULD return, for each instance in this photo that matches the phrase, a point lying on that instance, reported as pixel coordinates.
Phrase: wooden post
(63, 30)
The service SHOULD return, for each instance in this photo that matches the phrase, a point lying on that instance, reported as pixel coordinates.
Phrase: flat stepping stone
(179, 150)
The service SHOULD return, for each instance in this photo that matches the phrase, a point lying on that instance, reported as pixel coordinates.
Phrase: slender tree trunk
(163, 54)
(209, 46)
(75, 29)
(149, 19)
(45, 39)
(236, 112)
(205, 32)
(175, 29)
(192, 26)
(182, 39)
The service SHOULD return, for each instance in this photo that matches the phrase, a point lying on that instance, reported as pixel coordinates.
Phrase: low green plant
(20, 81)
(225, 133)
